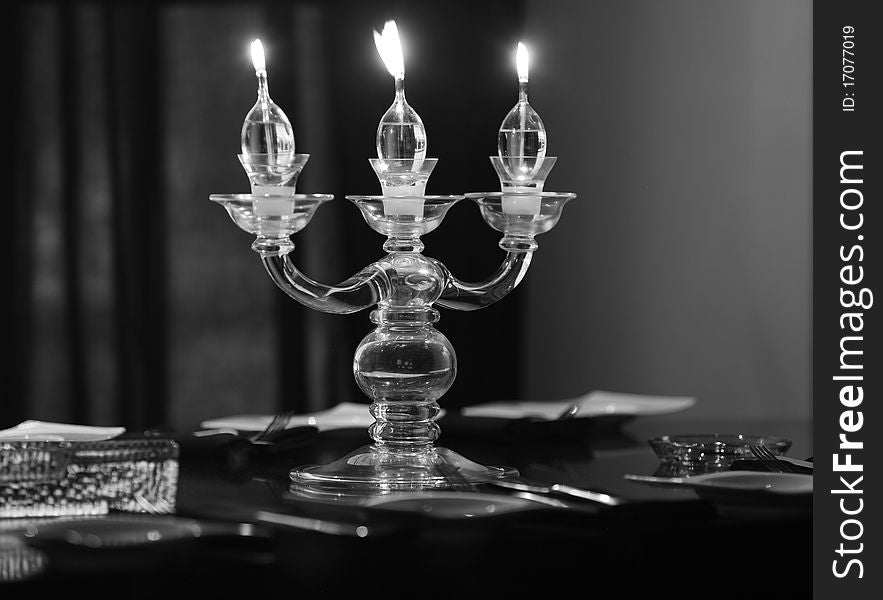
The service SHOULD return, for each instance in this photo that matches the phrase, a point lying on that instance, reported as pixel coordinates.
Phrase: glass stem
(404, 426)
(404, 366)
(403, 244)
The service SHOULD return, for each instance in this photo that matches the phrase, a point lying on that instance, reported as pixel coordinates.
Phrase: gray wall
(684, 266)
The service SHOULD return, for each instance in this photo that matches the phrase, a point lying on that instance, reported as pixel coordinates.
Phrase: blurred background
(682, 268)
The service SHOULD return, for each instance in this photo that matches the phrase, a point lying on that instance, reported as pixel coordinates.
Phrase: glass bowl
(55, 479)
(33, 460)
(701, 453)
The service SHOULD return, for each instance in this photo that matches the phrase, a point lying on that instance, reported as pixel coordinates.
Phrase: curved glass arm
(472, 296)
(360, 291)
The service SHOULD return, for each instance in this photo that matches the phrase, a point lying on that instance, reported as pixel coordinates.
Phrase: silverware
(346, 523)
(774, 463)
(313, 524)
(277, 425)
(557, 489)
(803, 467)
(569, 412)
(689, 482)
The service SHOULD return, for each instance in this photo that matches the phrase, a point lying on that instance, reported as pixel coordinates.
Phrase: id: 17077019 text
(847, 69)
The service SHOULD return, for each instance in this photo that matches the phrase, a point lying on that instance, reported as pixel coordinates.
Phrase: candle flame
(257, 57)
(521, 61)
(389, 46)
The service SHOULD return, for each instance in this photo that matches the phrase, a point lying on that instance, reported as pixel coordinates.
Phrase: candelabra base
(373, 471)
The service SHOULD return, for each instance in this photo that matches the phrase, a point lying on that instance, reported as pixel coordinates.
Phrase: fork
(277, 425)
(771, 461)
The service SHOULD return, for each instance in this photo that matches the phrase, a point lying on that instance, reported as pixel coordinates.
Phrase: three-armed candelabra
(404, 365)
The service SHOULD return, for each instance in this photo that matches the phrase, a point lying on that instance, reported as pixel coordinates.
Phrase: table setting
(605, 487)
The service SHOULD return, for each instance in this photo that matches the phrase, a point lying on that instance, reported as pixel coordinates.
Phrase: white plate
(344, 415)
(594, 404)
(462, 505)
(788, 484)
(746, 493)
(43, 431)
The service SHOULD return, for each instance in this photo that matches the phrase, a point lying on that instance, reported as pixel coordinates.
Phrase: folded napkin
(236, 457)
(594, 404)
(344, 415)
(44, 431)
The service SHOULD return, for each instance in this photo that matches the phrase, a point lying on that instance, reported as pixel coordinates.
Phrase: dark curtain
(131, 299)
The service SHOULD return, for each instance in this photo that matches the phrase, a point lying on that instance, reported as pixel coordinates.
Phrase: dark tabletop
(664, 542)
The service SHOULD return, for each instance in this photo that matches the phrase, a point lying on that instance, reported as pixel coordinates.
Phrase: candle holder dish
(691, 454)
(65, 479)
(404, 365)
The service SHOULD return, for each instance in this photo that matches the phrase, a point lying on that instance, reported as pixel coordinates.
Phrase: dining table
(239, 529)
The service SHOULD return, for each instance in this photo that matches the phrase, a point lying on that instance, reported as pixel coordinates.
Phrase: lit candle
(522, 134)
(400, 133)
(401, 136)
(266, 129)
(521, 146)
(267, 140)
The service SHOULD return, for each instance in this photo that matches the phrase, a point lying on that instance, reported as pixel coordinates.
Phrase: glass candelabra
(404, 365)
